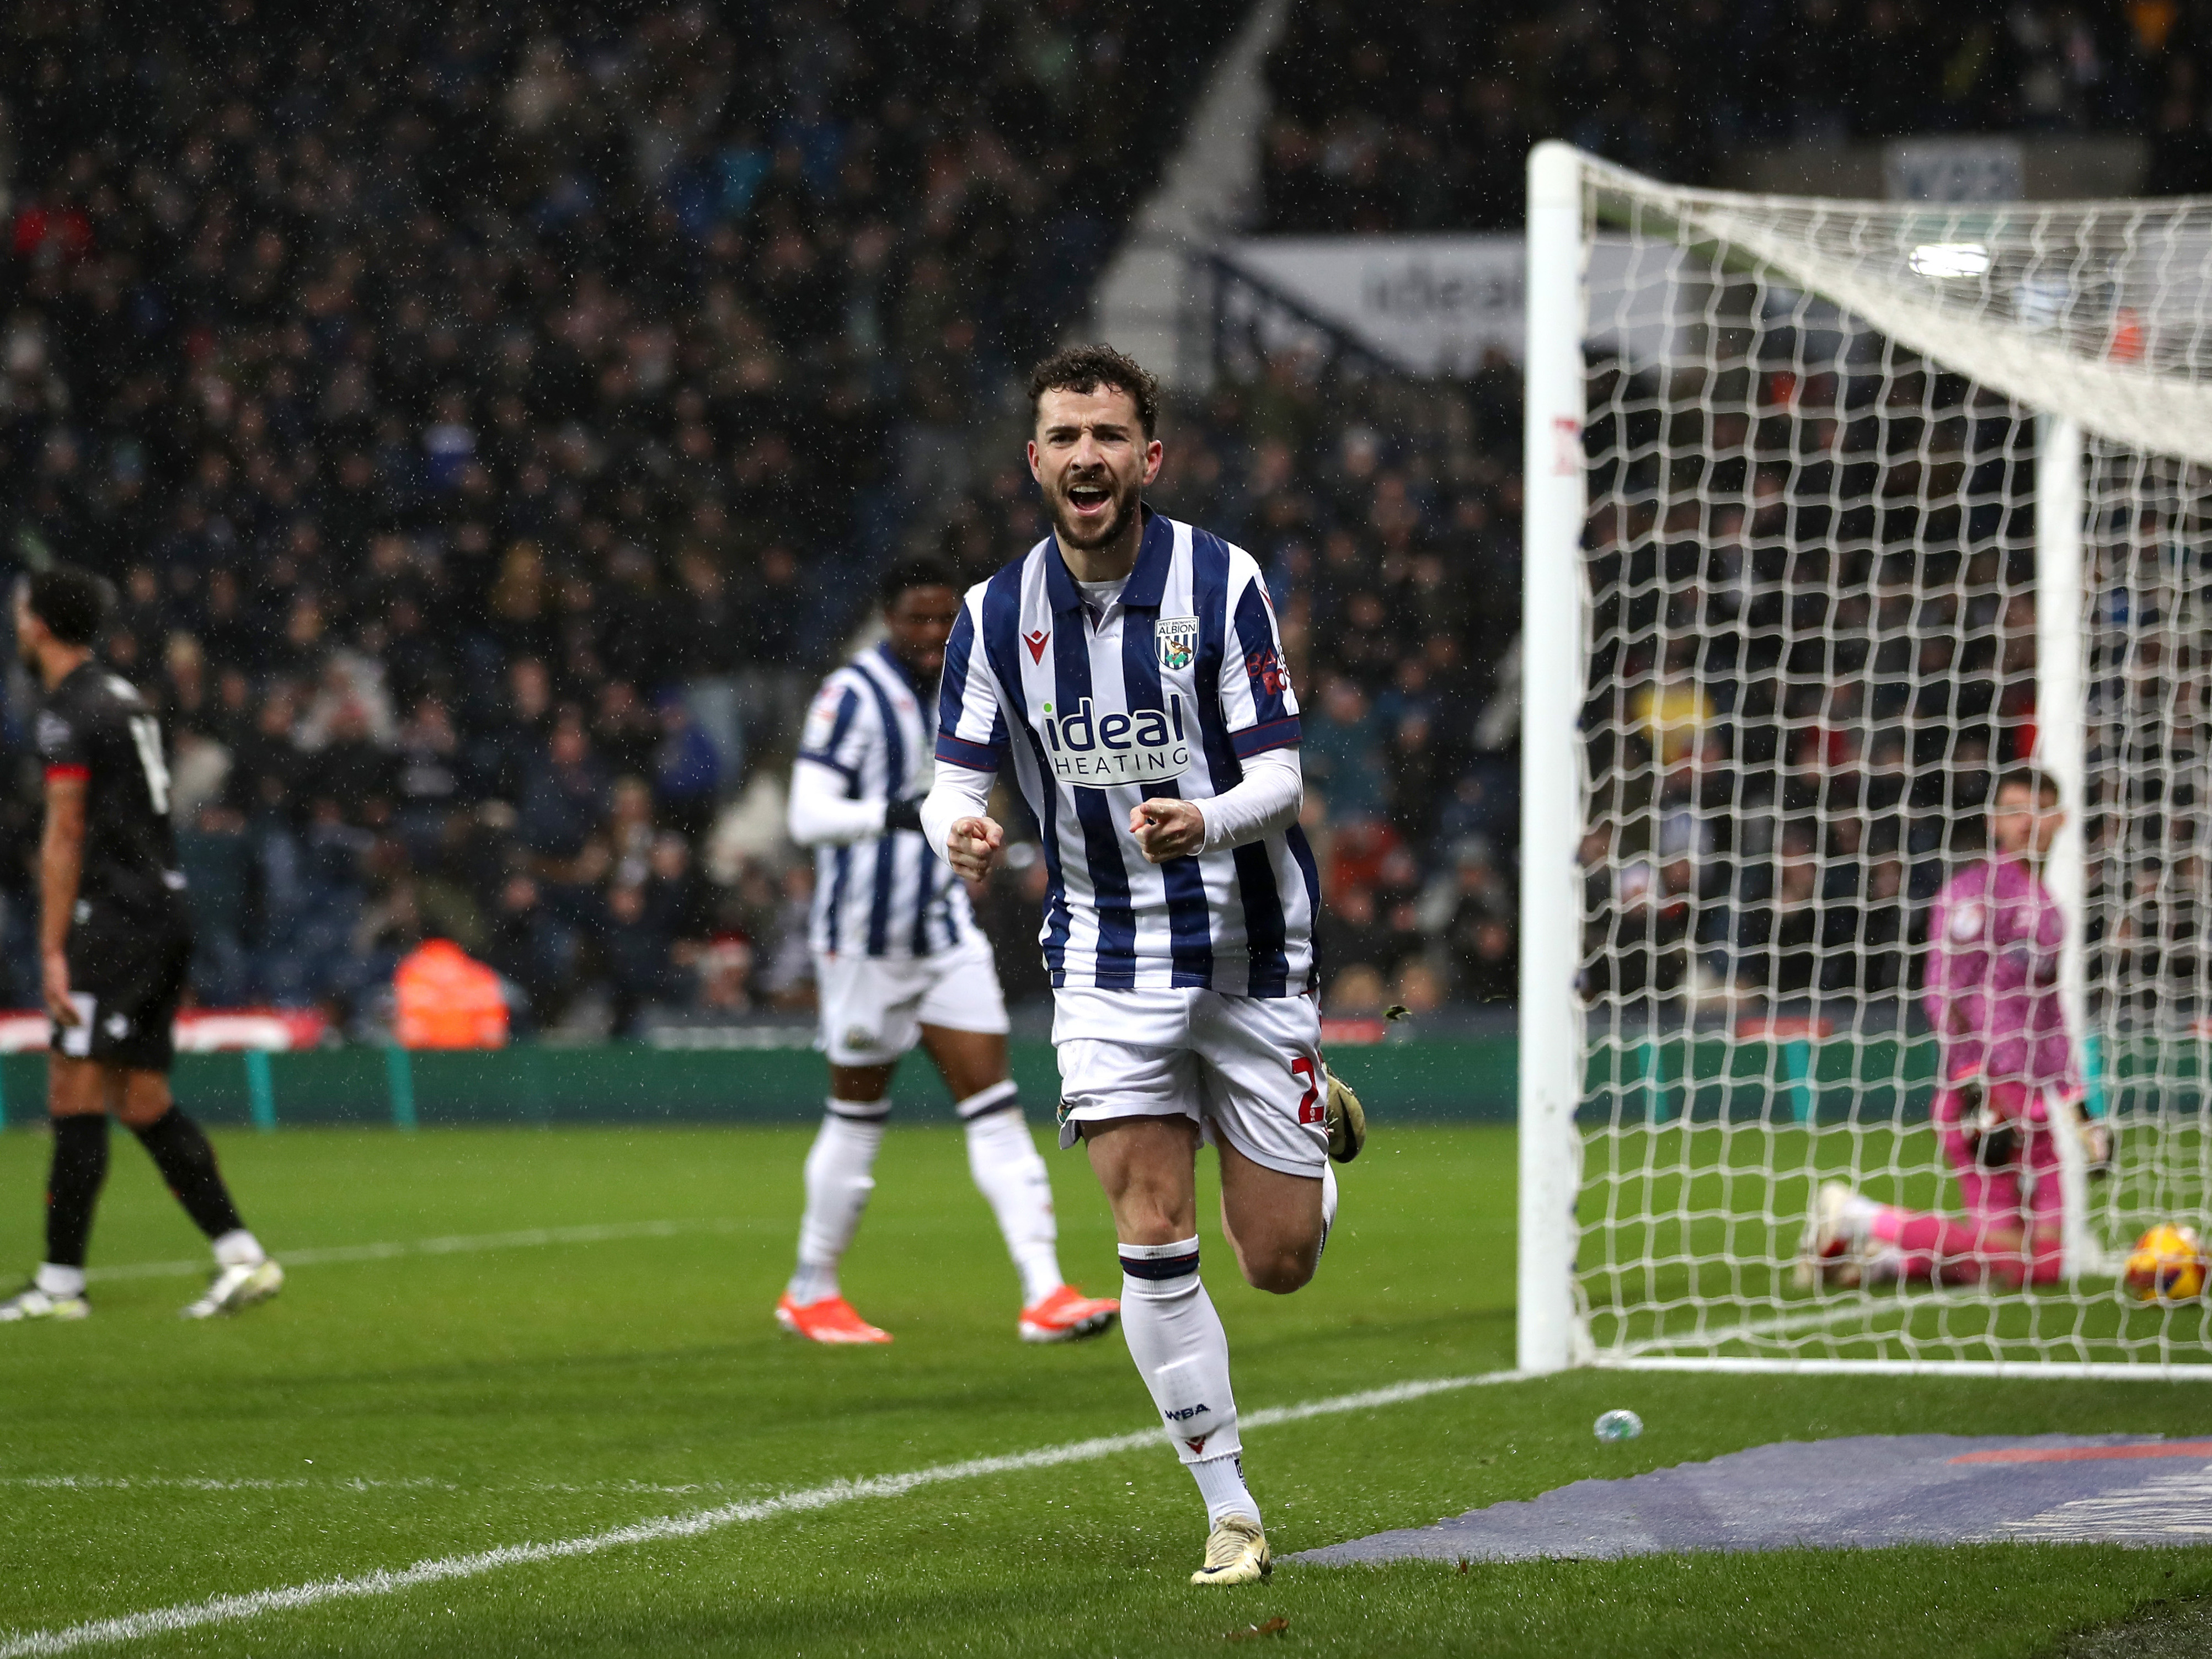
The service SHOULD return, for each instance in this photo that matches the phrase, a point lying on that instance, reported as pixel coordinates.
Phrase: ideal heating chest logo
(1098, 752)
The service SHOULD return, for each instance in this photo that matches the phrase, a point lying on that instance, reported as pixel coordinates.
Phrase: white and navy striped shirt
(1167, 694)
(887, 896)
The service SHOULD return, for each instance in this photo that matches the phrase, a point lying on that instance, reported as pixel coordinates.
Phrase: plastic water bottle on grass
(1619, 1426)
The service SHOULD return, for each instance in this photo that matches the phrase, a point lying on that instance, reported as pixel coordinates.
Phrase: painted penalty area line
(523, 1239)
(291, 1598)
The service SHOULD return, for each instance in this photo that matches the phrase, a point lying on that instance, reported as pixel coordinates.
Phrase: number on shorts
(146, 733)
(1308, 1111)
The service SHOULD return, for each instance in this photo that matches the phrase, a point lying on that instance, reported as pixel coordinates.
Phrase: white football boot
(1236, 1553)
(31, 1303)
(236, 1287)
(1346, 1120)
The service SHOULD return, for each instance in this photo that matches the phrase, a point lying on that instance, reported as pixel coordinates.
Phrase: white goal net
(1839, 511)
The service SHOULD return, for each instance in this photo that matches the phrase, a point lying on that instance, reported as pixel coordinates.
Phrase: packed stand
(1419, 117)
(489, 419)
(1814, 651)
(1386, 517)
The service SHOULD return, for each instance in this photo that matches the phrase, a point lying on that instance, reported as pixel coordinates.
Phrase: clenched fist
(1167, 829)
(971, 847)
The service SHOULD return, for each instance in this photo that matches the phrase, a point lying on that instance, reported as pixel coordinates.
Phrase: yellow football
(2166, 1264)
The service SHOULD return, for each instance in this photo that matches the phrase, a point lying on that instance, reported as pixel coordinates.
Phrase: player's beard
(1073, 532)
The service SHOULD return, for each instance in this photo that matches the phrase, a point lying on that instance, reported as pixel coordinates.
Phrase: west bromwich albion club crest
(1178, 639)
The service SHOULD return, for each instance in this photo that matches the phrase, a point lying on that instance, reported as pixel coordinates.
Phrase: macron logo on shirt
(1035, 640)
(1098, 752)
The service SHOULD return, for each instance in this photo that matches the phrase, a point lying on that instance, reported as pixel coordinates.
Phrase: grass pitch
(403, 1405)
(1692, 1232)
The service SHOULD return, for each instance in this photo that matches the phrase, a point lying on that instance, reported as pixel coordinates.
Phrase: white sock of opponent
(1010, 1174)
(838, 1183)
(238, 1248)
(1182, 1354)
(58, 1280)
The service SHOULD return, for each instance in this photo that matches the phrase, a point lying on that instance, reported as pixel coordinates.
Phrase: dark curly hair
(1087, 368)
(921, 570)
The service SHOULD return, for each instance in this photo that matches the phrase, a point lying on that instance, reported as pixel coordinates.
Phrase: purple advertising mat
(1861, 1492)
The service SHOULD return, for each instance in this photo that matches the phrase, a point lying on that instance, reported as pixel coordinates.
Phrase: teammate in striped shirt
(1128, 669)
(898, 960)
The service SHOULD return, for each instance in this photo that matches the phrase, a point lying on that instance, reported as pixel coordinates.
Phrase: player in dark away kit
(115, 943)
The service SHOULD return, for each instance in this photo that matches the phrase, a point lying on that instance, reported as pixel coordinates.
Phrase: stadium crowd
(489, 417)
(491, 423)
(1799, 744)
(1418, 116)
(1809, 672)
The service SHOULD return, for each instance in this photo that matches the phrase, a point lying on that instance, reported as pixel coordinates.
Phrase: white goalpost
(1833, 511)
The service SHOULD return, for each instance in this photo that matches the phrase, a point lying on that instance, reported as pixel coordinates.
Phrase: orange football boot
(1068, 1315)
(829, 1320)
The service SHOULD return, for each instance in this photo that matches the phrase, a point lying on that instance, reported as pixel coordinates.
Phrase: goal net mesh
(1811, 449)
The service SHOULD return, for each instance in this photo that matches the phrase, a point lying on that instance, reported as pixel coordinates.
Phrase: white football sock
(238, 1248)
(1327, 1208)
(1003, 1157)
(1182, 1354)
(57, 1281)
(1221, 1484)
(838, 1183)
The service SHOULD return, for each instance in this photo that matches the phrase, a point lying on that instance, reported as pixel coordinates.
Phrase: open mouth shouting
(1091, 501)
(1093, 513)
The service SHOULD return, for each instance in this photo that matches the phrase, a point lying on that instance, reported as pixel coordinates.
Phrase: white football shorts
(873, 1008)
(1247, 1069)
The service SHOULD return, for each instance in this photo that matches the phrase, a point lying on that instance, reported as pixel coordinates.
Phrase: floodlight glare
(1950, 259)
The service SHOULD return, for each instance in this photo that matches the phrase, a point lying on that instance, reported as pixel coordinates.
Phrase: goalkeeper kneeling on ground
(1991, 992)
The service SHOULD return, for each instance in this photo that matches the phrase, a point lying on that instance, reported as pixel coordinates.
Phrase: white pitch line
(1866, 1307)
(231, 1609)
(1750, 1329)
(526, 1238)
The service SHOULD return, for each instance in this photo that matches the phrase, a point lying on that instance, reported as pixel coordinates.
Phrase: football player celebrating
(1128, 669)
(1992, 992)
(115, 942)
(898, 959)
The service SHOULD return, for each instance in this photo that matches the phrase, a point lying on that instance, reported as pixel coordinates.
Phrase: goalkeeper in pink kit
(1991, 992)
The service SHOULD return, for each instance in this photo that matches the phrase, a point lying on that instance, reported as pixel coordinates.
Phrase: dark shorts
(127, 977)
